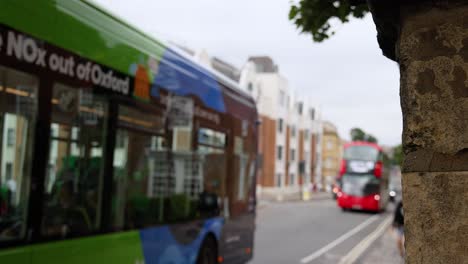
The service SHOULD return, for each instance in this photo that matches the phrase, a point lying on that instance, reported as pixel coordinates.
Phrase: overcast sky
(346, 75)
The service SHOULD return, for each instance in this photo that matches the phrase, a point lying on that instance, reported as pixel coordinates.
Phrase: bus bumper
(366, 203)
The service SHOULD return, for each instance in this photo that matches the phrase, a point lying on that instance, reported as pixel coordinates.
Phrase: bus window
(361, 153)
(360, 184)
(75, 170)
(18, 104)
(141, 179)
(211, 152)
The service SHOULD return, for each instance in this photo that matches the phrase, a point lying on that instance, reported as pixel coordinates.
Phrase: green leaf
(313, 16)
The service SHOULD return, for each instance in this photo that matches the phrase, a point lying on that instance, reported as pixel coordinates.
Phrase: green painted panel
(121, 248)
(79, 27)
(16, 256)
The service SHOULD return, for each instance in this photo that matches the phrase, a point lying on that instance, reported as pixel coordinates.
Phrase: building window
(293, 131)
(292, 178)
(329, 144)
(312, 114)
(306, 135)
(293, 154)
(9, 171)
(302, 166)
(280, 153)
(280, 125)
(192, 186)
(299, 108)
(250, 87)
(278, 179)
(11, 137)
(281, 98)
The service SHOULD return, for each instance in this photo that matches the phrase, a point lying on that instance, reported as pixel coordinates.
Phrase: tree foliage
(398, 155)
(371, 138)
(313, 16)
(358, 134)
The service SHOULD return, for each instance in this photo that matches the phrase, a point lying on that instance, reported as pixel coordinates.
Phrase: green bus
(116, 148)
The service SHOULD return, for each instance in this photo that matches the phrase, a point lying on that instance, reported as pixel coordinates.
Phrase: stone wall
(433, 56)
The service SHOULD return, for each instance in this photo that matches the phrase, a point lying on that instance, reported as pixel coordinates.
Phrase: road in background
(316, 232)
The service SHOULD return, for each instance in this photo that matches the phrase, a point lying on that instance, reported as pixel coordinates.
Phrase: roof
(264, 64)
(329, 128)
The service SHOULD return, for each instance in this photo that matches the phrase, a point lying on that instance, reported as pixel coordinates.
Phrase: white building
(290, 133)
(288, 124)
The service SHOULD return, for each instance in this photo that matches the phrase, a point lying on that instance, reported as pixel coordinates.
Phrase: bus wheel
(208, 253)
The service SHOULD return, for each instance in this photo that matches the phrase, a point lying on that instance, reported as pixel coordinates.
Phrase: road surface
(317, 232)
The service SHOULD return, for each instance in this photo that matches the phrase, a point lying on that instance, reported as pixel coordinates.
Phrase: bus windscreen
(360, 184)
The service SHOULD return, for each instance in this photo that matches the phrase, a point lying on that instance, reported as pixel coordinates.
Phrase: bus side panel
(16, 256)
(120, 248)
(238, 239)
(179, 243)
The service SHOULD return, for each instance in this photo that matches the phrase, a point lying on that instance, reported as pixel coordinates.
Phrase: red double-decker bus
(363, 178)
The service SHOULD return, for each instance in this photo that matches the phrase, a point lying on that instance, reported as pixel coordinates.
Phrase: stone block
(436, 217)
(418, 160)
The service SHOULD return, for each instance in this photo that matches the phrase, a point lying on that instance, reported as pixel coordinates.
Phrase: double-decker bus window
(141, 179)
(361, 153)
(75, 171)
(18, 104)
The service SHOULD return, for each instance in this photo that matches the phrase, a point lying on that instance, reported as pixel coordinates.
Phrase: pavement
(384, 251)
(317, 231)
